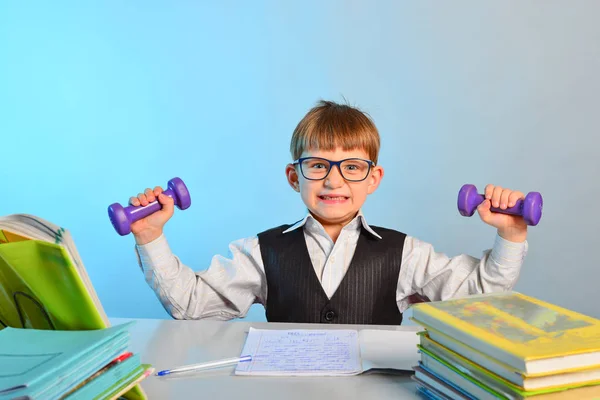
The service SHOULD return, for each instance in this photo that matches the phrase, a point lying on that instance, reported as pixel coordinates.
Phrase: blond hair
(329, 125)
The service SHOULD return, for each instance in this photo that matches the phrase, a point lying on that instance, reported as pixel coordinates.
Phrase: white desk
(168, 344)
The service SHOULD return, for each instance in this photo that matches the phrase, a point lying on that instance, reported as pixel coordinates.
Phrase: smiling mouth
(334, 198)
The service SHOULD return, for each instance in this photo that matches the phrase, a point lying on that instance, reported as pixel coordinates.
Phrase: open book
(318, 352)
(31, 269)
(44, 282)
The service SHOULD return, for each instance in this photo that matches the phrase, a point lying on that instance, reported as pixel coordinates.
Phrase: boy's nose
(335, 178)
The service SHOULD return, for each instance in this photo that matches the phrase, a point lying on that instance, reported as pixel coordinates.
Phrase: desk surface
(168, 344)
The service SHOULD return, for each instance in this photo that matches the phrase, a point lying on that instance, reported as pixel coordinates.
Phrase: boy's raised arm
(439, 277)
(226, 290)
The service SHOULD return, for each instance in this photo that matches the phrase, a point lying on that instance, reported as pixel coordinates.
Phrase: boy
(331, 266)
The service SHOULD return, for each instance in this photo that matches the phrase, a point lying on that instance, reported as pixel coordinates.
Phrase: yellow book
(532, 336)
(486, 369)
(460, 354)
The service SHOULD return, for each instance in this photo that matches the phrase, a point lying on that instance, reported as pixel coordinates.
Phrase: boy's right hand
(150, 228)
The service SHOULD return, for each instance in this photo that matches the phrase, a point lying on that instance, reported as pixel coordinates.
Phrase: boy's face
(334, 200)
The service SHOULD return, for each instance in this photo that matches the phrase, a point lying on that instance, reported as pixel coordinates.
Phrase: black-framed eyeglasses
(351, 169)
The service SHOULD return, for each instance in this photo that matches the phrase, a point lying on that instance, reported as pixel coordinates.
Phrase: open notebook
(313, 352)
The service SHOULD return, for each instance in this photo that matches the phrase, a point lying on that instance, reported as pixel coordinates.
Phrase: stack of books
(49, 364)
(45, 286)
(506, 346)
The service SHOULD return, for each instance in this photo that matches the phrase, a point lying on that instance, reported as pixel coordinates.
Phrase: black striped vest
(366, 294)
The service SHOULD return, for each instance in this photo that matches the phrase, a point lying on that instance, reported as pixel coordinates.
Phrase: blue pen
(207, 365)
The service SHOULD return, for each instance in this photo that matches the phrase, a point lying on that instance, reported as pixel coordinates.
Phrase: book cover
(124, 387)
(30, 357)
(6, 236)
(529, 335)
(439, 386)
(42, 290)
(453, 378)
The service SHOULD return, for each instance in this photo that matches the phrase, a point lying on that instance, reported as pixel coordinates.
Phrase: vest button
(329, 316)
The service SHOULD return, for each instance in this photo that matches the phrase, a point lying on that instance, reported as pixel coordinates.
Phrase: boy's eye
(355, 167)
(318, 165)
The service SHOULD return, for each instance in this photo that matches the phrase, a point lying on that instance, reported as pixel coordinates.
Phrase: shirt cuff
(153, 252)
(509, 254)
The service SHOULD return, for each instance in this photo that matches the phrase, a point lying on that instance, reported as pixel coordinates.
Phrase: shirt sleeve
(224, 291)
(439, 277)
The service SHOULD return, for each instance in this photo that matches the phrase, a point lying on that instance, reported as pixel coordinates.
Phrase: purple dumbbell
(530, 208)
(122, 217)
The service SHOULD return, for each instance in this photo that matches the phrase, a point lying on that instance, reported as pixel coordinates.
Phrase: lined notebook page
(301, 352)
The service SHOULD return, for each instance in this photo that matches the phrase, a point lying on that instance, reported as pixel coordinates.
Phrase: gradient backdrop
(101, 100)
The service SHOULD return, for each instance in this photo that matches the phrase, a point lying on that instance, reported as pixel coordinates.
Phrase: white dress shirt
(231, 285)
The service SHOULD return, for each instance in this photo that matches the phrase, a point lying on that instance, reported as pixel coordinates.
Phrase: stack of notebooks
(44, 286)
(506, 346)
(47, 364)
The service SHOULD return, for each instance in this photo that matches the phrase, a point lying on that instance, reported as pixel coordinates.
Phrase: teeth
(332, 198)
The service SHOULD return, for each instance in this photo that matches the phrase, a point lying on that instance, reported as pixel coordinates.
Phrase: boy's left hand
(511, 227)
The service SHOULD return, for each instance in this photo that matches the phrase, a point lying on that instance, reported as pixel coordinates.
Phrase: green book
(484, 385)
(45, 284)
(125, 384)
(113, 375)
(42, 290)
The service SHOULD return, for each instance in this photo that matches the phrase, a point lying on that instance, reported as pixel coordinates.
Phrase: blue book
(34, 361)
(66, 381)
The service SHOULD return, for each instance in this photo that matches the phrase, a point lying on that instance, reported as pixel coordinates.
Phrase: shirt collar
(359, 216)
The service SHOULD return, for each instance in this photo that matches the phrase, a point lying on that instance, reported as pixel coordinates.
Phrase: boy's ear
(375, 178)
(292, 177)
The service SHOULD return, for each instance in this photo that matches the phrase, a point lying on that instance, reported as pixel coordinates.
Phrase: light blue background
(101, 100)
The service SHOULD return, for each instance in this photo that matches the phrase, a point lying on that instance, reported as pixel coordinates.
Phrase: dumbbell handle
(517, 209)
(138, 212)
